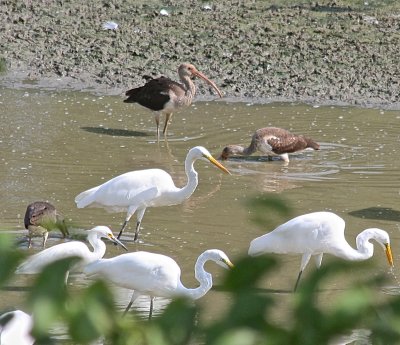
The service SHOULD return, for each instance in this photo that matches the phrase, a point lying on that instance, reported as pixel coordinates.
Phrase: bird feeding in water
(272, 141)
(165, 96)
(156, 275)
(136, 190)
(36, 263)
(316, 233)
(40, 218)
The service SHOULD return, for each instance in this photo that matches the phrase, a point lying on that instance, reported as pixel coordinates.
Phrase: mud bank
(333, 53)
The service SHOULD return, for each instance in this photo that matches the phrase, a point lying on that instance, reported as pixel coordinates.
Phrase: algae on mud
(330, 52)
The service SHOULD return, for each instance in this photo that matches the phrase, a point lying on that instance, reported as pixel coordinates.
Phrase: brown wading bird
(165, 96)
(40, 218)
(272, 141)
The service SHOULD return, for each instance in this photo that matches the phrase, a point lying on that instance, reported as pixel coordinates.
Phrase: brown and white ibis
(272, 141)
(136, 190)
(41, 217)
(165, 96)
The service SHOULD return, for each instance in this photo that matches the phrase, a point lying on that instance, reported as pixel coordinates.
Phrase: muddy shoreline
(333, 53)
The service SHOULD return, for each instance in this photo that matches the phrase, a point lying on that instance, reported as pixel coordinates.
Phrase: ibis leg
(167, 121)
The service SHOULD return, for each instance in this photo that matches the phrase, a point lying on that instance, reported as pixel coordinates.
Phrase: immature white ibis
(134, 191)
(156, 275)
(165, 96)
(41, 217)
(316, 233)
(272, 141)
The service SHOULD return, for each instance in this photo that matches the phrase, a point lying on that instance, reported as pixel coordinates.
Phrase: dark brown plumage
(164, 95)
(272, 141)
(41, 217)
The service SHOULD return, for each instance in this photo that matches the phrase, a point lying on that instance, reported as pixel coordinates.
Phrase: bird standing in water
(316, 233)
(40, 218)
(272, 141)
(156, 275)
(165, 96)
(134, 191)
(35, 263)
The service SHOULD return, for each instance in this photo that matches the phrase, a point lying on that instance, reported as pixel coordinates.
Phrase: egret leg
(122, 229)
(304, 261)
(29, 241)
(297, 281)
(136, 231)
(134, 296)
(167, 120)
(151, 307)
(139, 217)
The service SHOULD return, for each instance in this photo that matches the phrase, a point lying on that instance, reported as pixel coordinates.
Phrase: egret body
(136, 190)
(155, 275)
(37, 262)
(316, 233)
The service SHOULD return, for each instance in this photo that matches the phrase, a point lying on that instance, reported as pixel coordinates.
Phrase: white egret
(316, 233)
(41, 217)
(155, 275)
(136, 190)
(37, 262)
(272, 141)
(15, 328)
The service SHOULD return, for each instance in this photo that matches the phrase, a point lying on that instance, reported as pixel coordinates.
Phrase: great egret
(272, 141)
(37, 262)
(15, 328)
(136, 190)
(164, 96)
(318, 233)
(40, 217)
(155, 275)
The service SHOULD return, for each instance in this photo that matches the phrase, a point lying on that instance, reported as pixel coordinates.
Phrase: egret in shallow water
(15, 328)
(40, 218)
(272, 141)
(136, 190)
(155, 275)
(316, 233)
(37, 262)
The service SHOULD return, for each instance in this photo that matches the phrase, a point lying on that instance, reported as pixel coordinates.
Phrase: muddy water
(55, 145)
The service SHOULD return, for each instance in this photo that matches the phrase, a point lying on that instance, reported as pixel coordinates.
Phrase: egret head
(382, 237)
(219, 257)
(201, 152)
(105, 232)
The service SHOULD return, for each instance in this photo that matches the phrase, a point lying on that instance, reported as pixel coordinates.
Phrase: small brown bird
(40, 218)
(272, 141)
(165, 96)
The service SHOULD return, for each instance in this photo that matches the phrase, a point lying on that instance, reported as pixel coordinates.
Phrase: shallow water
(56, 144)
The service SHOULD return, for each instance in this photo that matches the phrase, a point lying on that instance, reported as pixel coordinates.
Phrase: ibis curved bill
(165, 96)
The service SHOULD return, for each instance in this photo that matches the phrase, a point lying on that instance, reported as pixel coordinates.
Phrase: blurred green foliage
(90, 313)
